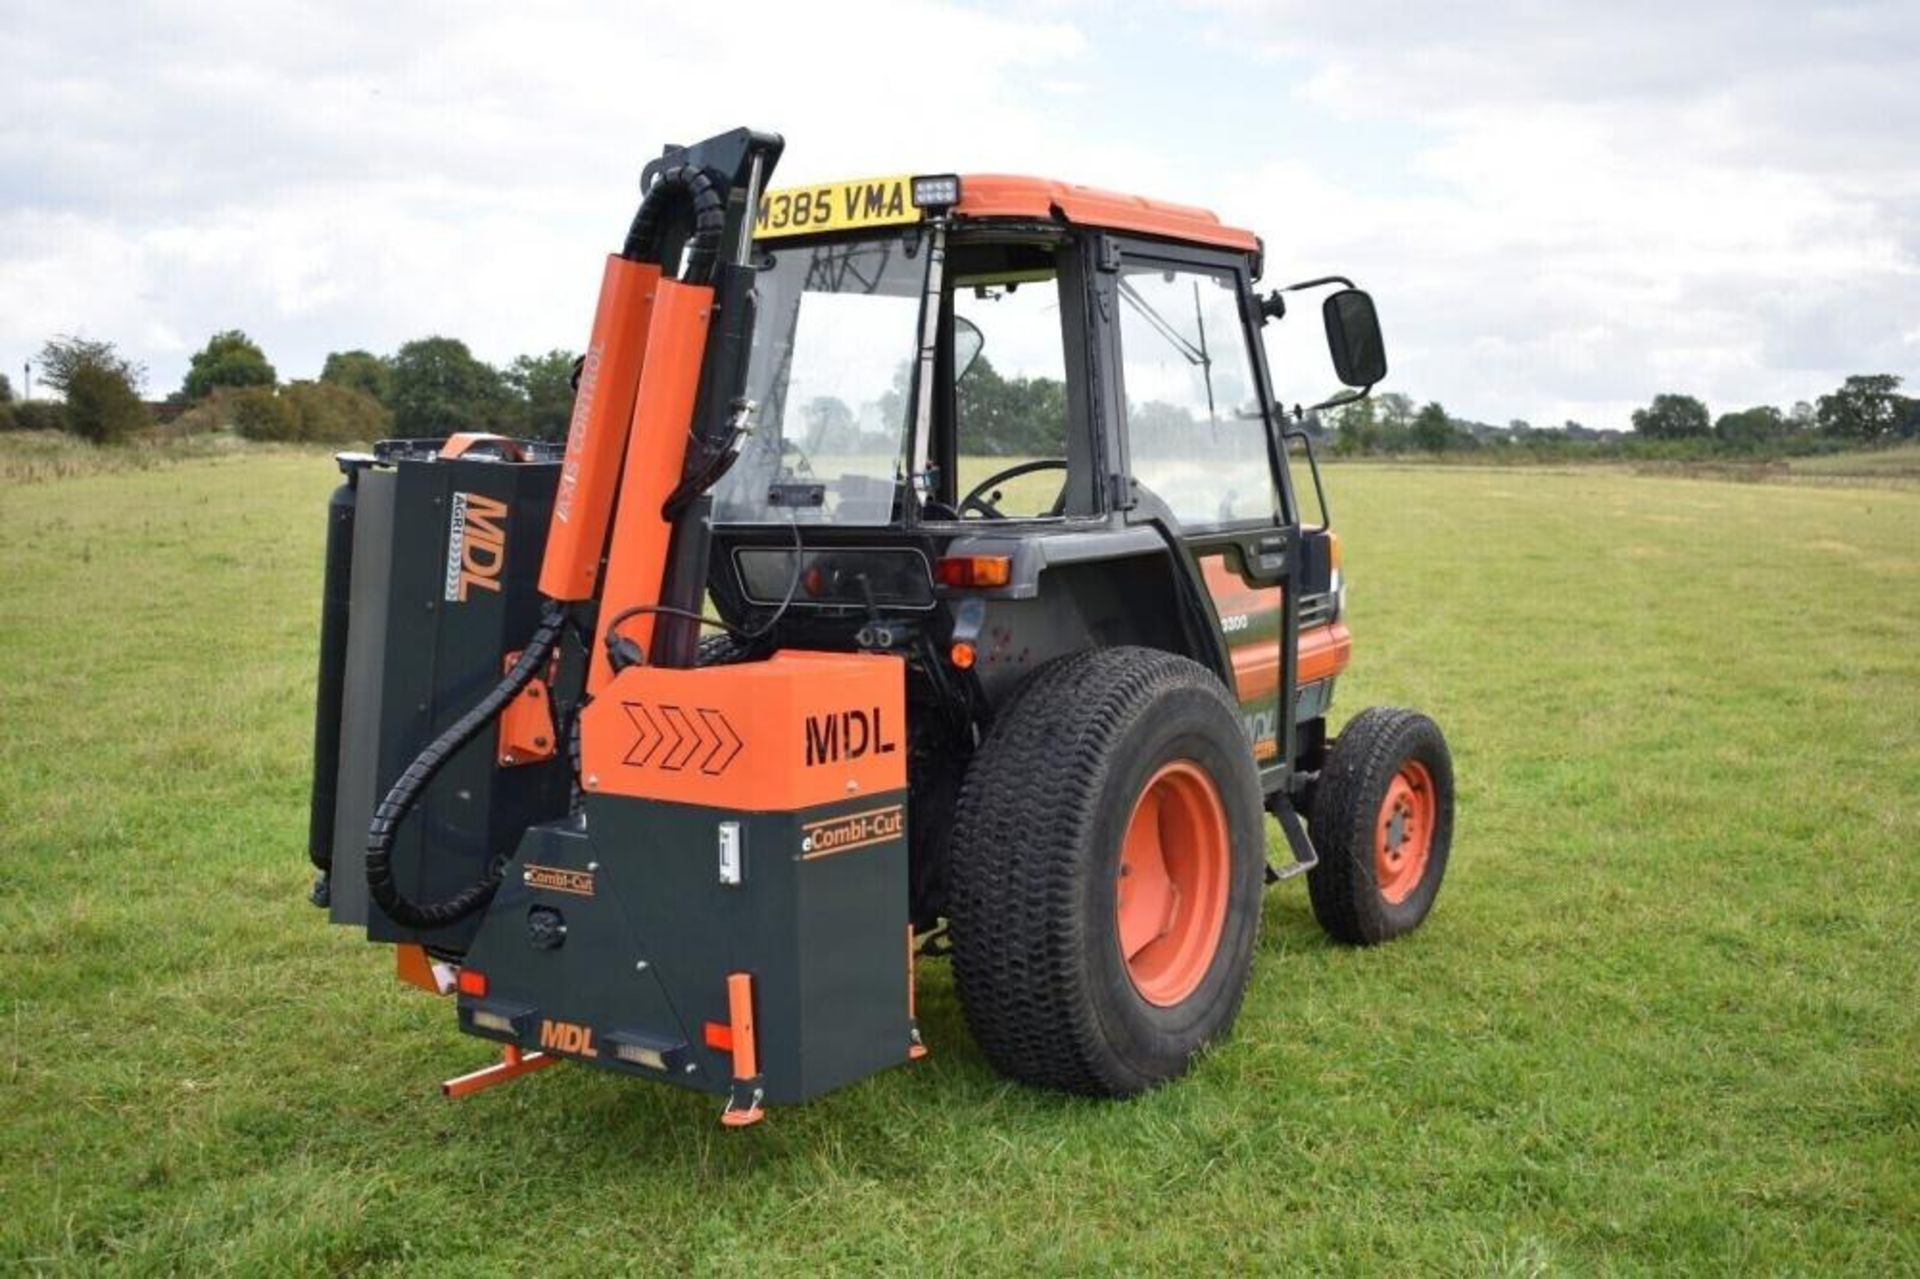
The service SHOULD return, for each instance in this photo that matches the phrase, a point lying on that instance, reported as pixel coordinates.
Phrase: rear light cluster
(641, 1055)
(487, 1020)
(965, 571)
(970, 572)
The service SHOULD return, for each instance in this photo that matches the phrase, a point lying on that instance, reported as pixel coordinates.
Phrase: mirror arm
(1274, 306)
(1345, 397)
(1314, 284)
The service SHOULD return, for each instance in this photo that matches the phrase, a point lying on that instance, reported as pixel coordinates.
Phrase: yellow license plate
(836, 206)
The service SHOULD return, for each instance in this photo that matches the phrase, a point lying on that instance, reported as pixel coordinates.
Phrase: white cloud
(1563, 208)
(1606, 201)
(328, 176)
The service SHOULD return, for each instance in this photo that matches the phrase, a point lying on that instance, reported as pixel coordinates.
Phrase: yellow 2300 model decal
(836, 206)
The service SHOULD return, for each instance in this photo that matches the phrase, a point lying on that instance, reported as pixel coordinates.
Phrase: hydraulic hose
(683, 184)
(681, 187)
(407, 790)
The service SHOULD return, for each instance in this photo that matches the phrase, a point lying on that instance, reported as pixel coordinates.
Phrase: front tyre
(1105, 874)
(1382, 824)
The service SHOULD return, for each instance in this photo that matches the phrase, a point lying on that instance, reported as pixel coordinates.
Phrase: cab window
(1010, 405)
(1196, 432)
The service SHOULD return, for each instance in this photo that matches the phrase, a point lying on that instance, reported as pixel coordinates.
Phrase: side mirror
(1353, 338)
(967, 343)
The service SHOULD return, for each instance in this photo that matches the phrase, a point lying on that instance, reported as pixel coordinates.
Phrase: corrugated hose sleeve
(681, 183)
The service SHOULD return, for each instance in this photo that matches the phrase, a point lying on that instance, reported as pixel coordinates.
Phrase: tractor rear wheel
(1105, 873)
(1382, 824)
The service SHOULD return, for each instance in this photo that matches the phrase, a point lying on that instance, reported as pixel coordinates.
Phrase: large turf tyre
(1117, 758)
(1382, 823)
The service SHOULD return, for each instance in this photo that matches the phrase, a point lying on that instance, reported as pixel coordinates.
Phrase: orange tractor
(923, 574)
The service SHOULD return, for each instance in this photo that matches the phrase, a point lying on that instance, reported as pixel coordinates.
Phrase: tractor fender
(1070, 592)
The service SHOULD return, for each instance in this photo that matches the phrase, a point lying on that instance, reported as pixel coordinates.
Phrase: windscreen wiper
(1194, 355)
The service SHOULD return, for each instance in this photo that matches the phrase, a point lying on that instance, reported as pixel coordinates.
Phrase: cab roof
(1000, 195)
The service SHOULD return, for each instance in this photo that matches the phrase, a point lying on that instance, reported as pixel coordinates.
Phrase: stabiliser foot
(743, 1105)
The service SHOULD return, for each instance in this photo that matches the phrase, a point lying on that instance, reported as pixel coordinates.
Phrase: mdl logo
(476, 545)
(565, 1037)
(844, 735)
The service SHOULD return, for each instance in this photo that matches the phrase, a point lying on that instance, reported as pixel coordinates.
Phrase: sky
(1562, 209)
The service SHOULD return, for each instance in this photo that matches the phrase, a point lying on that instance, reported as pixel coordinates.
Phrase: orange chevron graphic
(673, 738)
(728, 743)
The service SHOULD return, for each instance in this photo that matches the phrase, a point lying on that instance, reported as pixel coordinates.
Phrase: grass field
(1902, 462)
(1666, 1015)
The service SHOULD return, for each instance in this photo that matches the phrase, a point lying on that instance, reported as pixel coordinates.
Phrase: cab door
(1200, 450)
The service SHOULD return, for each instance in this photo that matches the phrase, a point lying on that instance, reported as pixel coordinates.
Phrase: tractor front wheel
(1382, 824)
(1105, 874)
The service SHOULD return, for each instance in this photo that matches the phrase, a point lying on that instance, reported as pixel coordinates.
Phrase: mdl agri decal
(476, 545)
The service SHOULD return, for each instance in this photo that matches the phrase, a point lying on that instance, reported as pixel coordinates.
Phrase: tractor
(923, 574)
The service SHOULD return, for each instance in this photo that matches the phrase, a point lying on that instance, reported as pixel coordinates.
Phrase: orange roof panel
(999, 195)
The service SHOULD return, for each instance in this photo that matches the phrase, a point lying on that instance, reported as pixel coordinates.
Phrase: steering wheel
(976, 501)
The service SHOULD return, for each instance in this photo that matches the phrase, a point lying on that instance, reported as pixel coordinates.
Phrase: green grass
(28, 457)
(1663, 1018)
(1900, 462)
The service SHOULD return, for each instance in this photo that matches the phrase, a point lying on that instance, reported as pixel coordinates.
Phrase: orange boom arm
(597, 435)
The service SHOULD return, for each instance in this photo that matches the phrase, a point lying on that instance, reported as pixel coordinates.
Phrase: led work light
(936, 192)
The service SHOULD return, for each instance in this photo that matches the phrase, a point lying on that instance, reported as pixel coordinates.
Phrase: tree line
(1865, 410)
(433, 386)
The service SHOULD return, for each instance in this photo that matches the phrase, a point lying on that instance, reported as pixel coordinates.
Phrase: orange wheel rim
(1171, 902)
(1403, 833)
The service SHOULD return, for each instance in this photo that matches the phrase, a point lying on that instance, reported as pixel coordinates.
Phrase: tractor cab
(992, 420)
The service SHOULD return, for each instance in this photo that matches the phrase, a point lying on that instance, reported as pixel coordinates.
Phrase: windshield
(833, 344)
